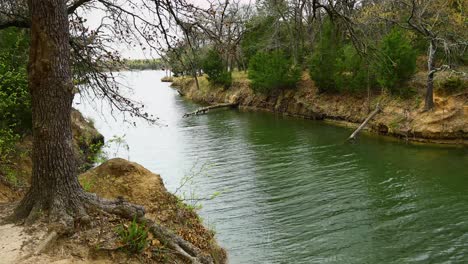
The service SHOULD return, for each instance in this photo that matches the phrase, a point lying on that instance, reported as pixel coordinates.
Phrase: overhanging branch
(24, 23)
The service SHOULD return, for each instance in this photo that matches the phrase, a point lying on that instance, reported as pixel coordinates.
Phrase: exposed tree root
(65, 211)
(177, 243)
(65, 215)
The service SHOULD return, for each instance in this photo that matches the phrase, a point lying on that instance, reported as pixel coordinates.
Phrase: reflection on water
(294, 192)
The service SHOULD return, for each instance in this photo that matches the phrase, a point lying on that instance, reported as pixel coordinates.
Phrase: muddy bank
(401, 118)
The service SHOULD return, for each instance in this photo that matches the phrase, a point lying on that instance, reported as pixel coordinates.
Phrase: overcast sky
(94, 19)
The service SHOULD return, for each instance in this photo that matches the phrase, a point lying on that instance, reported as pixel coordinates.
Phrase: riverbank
(100, 242)
(400, 118)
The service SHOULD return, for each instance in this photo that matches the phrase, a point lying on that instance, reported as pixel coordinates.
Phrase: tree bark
(54, 180)
(429, 100)
(54, 184)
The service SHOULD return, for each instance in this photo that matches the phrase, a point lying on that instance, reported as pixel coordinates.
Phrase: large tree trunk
(54, 180)
(54, 184)
(429, 101)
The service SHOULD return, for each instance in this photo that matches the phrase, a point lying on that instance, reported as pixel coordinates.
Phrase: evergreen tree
(214, 67)
(398, 63)
(323, 63)
(269, 71)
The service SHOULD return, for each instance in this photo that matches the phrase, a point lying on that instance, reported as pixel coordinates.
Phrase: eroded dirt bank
(401, 118)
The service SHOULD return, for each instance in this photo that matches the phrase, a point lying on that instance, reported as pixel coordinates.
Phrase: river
(291, 191)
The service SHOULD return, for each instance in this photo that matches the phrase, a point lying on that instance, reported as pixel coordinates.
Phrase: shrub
(213, 66)
(451, 85)
(134, 237)
(270, 71)
(398, 61)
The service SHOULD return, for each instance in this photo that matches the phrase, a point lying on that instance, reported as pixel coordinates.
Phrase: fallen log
(203, 110)
(371, 115)
(180, 92)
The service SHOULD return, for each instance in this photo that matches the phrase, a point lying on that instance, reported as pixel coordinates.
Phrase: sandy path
(11, 242)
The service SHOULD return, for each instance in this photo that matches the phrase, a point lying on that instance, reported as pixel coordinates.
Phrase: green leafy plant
(133, 237)
(185, 192)
(15, 101)
(119, 143)
(100, 153)
(92, 151)
(8, 139)
(87, 184)
(271, 71)
(97, 154)
(10, 176)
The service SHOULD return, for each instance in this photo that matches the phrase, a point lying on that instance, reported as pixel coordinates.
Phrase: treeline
(345, 46)
(143, 64)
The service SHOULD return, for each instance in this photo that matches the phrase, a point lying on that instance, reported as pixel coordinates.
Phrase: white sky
(94, 18)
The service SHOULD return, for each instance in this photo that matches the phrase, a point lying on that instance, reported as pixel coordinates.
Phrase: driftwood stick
(203, 110)
(371, 115)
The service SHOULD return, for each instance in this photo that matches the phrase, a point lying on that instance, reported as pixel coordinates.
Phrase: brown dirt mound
(119, 177)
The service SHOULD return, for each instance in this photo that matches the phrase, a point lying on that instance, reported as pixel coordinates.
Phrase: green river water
(292, 191)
